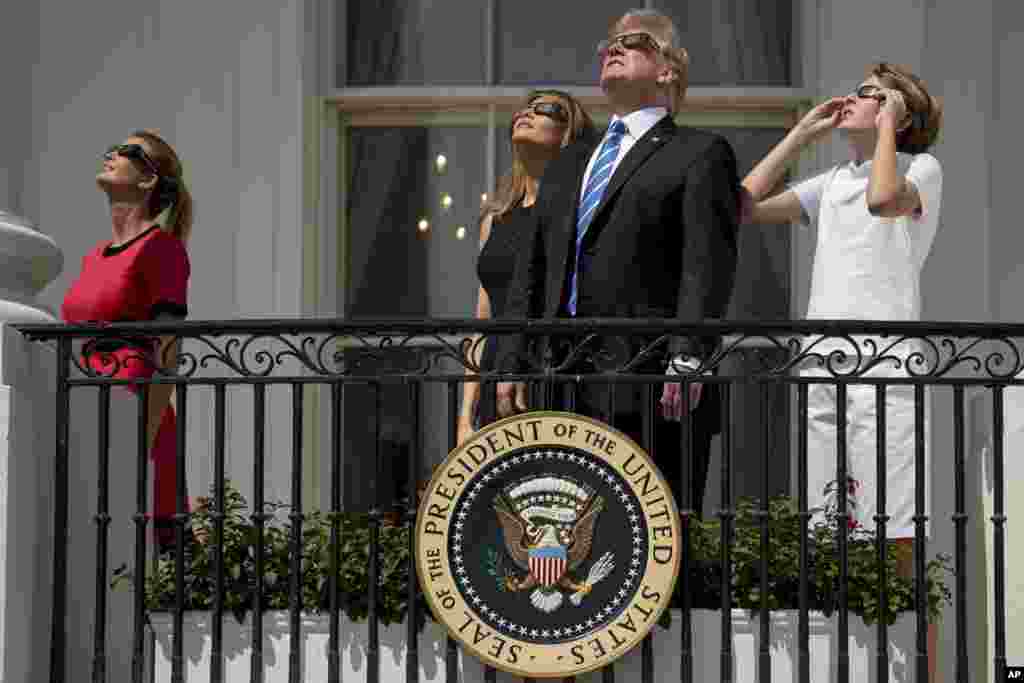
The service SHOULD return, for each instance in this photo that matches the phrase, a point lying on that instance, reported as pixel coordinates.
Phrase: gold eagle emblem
(548, 526)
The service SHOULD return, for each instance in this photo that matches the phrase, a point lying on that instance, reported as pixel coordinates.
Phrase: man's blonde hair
(664, 31)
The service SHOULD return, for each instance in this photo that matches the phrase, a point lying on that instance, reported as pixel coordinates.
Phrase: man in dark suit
(642, 225)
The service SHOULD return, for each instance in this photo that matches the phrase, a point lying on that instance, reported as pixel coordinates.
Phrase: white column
(29, 260)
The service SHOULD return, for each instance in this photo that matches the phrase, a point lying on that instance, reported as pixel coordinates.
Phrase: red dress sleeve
(164, 266)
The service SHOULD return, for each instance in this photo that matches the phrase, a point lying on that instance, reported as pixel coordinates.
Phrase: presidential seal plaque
(548, 544)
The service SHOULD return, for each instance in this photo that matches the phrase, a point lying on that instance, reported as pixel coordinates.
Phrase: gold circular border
(596, 648)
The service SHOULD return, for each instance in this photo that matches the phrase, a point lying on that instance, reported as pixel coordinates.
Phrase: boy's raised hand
(893, 108)
(821, 119)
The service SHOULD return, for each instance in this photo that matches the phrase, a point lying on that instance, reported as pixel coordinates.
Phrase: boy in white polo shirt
(876, 215)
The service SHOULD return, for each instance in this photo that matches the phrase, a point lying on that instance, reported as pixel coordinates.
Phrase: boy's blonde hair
(925, 111)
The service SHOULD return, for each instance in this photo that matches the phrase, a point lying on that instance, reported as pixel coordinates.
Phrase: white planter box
(706, 642)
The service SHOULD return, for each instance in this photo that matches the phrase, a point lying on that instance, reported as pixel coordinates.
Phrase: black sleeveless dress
(495, 267)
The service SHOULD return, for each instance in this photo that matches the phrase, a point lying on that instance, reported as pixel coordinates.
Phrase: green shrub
(703, 583)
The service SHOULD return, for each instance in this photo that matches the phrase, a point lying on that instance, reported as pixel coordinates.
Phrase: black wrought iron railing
(393, 365)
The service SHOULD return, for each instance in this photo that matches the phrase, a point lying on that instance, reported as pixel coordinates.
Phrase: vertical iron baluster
(412, 653)
(726, 514)
(647, 648)
(488, 398)
(804, 627)
(297, 518)
(688, 514)
(920, 519)
(612, 390)
(998, 533)
(764, 664)
(547, 391)
(882, 543)
(217, 659)
(960, 532)
(842, 535)
(547, 385)
(647, 411)
(58, 627)
(141, 520)
(334, 642)
(373, 570)
(451, 652)
(180, 521)
(608, 672)
(102, 520)
(647, 658)
(258, 517)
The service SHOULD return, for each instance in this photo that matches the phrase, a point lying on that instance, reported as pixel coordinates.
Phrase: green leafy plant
(783, 520)
(703, 584)
(240, 541)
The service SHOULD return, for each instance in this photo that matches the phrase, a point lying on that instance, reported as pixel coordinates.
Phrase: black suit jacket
(662, 243)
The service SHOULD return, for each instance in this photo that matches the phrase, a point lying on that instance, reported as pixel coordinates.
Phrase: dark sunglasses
(629, 41)
(866, 92)
(552, 110)
(135, 153)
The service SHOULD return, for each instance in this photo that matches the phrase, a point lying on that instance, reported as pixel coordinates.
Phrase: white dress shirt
(637, 125)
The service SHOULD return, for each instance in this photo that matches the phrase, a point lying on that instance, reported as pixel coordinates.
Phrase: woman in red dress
(140, 275)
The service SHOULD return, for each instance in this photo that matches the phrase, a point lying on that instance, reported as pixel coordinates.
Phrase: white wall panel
(223, 83)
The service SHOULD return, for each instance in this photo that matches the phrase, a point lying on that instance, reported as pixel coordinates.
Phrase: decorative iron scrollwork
(847, 354)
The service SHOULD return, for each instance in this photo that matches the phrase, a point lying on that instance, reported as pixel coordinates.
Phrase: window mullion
(490, 43)
(491, 73)
(492, 147)
(339, 46)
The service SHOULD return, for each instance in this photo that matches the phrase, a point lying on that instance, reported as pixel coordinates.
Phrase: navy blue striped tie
(600, 174)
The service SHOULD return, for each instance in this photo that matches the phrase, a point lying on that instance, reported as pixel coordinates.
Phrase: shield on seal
(547, 564)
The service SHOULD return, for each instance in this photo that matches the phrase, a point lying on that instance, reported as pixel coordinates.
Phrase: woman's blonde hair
(664, 31)
(925, 111)
(170, 191)
(512, 186)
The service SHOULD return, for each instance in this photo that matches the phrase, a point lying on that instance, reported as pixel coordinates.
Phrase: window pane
(539, 41)
(731, 42)
(735, 42)
(395, 268)
(414, 42)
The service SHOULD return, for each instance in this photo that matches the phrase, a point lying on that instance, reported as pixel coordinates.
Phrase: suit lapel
(658, 135)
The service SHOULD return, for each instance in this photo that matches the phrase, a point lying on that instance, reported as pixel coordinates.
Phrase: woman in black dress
(550, 120)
